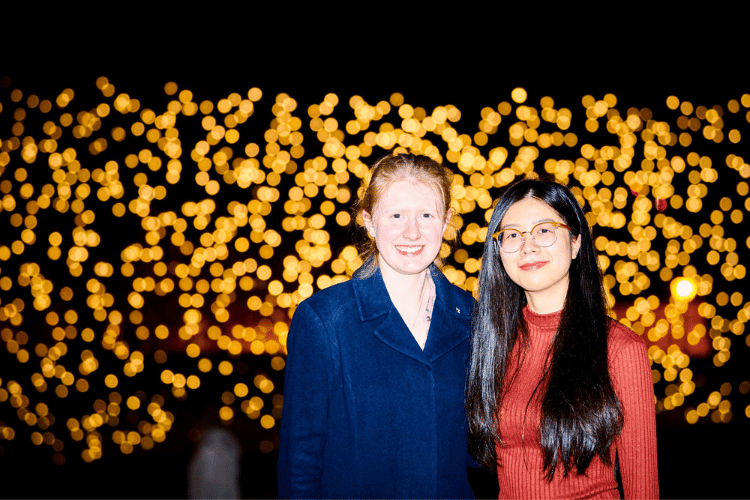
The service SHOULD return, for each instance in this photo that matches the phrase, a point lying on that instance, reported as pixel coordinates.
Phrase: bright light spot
(683, 289)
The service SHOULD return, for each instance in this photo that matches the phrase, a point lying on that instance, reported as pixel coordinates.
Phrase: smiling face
(407, 223)
(543, 272)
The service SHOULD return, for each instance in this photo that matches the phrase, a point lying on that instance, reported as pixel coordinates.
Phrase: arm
(636, 445)
(305, 413)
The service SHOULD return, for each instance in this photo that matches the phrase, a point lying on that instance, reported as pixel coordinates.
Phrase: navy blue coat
(367, 413)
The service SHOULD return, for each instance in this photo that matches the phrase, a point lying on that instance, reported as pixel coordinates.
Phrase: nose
(529, 244)
(412, 229)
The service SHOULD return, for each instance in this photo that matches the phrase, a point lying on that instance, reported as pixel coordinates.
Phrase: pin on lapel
(458, 310)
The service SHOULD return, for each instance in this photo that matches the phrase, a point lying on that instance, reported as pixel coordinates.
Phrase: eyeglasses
(543, 234)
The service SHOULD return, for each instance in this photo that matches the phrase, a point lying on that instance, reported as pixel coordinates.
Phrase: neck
(547, 301)
(404, 289)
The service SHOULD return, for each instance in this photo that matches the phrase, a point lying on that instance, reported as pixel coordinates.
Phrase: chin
(413, 269)
(409, 268)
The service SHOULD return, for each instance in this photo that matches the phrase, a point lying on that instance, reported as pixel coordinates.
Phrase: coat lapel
(449, 325)
(394, 333)
(372, 296)
(451, 319)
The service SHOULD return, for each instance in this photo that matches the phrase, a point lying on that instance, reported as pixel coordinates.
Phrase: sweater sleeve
(305, 413)
(636, 445)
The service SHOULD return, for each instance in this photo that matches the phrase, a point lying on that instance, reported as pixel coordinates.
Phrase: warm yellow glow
(230, 228)
(683, 288)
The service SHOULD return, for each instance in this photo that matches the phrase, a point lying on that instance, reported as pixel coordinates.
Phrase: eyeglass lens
(544, 234)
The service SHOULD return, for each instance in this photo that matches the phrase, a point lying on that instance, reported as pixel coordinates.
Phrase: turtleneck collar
(544, 321)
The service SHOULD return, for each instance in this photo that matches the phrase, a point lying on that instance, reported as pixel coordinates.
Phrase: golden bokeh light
(155, 253)
(683, 289)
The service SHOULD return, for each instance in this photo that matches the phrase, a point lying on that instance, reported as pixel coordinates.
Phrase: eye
(396, 216)
(510, 234)
(427, 216)
(544, 228)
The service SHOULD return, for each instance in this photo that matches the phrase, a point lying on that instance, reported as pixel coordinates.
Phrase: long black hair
(580, 412)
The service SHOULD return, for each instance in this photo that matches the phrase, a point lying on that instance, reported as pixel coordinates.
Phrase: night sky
(161, 222)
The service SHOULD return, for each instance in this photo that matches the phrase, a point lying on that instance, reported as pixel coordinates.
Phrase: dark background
(432, 64)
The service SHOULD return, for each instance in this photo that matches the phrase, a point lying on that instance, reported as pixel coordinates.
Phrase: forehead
(529, 211)
(408, 193)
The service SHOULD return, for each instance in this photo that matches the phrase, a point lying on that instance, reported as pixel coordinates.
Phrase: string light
(152, 254)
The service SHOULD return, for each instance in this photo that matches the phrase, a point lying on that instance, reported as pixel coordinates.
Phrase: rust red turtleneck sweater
(520, 473)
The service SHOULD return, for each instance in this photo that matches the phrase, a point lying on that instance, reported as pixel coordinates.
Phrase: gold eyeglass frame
(529, 232)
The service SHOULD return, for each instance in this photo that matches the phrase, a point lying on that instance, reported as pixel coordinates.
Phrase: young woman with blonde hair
(375, 377)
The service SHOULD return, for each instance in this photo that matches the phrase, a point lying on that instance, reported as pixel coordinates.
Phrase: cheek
(566, 252)
(435, 232)
(385, 233)
(434, 240)
(507, 263)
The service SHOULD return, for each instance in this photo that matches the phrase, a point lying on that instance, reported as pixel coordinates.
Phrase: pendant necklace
(428, 309)
(430, 303)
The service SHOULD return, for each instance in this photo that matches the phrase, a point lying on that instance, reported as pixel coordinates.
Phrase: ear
(367, 219)
(447, 219)
(575, 246)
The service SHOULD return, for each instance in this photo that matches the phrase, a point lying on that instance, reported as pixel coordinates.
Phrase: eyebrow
(399, 209)
(534, 223)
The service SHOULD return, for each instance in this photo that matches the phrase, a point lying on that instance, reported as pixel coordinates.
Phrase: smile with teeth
(409, 250)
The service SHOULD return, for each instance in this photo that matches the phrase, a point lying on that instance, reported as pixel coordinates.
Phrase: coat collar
(450, 317)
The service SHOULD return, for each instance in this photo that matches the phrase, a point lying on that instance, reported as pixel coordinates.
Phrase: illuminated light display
(155, 252)
(683, 289)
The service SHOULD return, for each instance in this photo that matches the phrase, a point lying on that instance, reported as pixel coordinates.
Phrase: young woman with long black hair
(559, 395)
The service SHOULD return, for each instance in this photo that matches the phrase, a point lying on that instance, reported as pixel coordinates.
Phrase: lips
(409, 250)
(533, 266)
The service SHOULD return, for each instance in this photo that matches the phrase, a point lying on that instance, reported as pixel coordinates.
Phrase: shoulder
(364, 298)
(624, 344)
(621, 335)
(331, 299)
(317, 319)
(457, 300)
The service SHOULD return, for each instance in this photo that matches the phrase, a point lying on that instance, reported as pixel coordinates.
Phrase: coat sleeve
(636, 445)
(305, 412)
